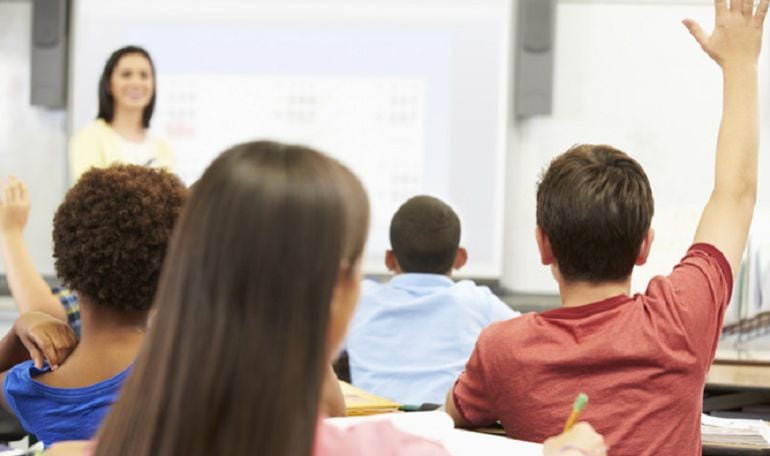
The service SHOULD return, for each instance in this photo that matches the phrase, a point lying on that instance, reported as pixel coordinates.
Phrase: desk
(732, 384)
(733, 375)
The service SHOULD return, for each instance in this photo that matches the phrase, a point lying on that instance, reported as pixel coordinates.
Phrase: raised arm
(28, 288)
(734, 44)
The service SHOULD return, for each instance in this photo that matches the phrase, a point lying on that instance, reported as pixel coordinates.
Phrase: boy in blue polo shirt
(410, 337)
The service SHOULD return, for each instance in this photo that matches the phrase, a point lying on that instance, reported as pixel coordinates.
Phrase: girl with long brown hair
(261, 278)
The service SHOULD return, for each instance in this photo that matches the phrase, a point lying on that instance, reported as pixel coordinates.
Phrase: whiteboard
(413, 96)
(32, 140)
(629, 74)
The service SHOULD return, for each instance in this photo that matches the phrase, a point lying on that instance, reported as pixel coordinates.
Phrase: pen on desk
(580, 403)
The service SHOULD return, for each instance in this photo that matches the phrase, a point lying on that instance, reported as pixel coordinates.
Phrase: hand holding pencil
(577, 439)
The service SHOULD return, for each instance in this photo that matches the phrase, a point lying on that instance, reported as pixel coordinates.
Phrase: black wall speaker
(50, 43)
(534, 57)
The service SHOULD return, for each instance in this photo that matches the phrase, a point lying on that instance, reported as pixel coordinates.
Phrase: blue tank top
(58, 414)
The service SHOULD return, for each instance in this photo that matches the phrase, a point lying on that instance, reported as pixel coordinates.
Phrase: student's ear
(391, 262)
(544, 246)
(461, 257)
(347, 291)
(644, 250)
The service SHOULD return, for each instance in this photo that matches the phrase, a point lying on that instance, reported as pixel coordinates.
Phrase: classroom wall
(627, 73)
(32, 140)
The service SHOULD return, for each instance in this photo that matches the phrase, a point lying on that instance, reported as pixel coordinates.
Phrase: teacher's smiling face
(132, 84)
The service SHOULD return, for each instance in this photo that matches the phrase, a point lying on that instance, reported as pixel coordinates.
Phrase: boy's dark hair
(425, 235)
(111, 231)
(595, 204)
(106, 100)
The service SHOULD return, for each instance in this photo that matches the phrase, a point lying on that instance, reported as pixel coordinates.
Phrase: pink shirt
(376, 438)
(642, 360)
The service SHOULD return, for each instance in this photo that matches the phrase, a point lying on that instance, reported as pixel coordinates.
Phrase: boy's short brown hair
(595, 204)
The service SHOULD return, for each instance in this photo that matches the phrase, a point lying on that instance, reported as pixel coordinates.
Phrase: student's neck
(127, 123)
(574, 294)
(103, 326)
(398, 271)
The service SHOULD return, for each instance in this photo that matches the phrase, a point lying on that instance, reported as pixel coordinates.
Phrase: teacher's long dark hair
(234, 360)
(107, 100)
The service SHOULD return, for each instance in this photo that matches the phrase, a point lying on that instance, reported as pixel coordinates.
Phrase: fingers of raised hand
(7, 193)
(15, 191)
(747, 7)
(20, 192)
(761, 11)
(697, 32)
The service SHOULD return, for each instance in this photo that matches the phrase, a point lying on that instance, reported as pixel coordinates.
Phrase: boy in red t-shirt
(642, 359)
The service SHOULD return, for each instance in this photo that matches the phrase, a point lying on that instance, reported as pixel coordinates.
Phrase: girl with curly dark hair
(110, 236)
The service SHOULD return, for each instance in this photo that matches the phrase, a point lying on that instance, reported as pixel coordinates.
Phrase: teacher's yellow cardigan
(98, 146)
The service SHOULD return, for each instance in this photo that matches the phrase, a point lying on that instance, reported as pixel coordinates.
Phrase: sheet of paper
(737, 429)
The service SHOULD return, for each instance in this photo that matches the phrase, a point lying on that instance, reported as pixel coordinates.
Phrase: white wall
(32, 140)
(627, 73)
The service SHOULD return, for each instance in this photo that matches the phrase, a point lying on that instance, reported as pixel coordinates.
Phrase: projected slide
(412, 97)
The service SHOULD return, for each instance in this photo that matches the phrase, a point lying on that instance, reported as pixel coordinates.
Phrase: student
(110, 236)
(642, 359)
(29, 290)
(127, 93)
(411, 337)
(266, 263)
(32, 295)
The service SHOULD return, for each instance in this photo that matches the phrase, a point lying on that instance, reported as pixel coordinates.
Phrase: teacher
(120, 131)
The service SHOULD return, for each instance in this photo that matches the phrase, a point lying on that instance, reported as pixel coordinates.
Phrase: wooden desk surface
(739, 376)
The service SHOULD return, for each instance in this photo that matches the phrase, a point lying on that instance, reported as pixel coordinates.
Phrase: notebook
(358, 402)
(716, 431)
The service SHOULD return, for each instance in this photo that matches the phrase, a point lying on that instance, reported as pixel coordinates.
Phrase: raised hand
(737, 35)
(14, 207)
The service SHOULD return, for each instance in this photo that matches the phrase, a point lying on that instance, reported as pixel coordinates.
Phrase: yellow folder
(358, 402)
